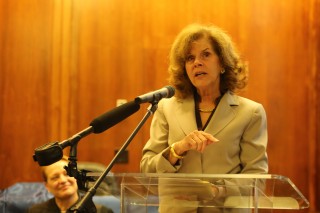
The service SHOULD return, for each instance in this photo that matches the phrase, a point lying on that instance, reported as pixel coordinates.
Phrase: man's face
(58, 182)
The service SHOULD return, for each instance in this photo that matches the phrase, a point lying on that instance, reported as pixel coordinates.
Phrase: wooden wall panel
(25, 61)
(65, 62)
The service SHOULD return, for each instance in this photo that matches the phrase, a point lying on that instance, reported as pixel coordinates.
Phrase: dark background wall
(62, 63)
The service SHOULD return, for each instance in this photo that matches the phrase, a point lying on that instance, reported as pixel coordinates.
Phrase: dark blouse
(50, 206)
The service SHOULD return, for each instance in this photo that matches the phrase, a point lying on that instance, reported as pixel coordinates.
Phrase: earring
(222, 71)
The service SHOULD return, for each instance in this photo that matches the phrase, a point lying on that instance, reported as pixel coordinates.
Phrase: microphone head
(155, 96)
(171, 91)
(48, 154)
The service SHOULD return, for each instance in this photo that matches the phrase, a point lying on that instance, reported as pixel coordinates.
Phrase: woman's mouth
(200, 73)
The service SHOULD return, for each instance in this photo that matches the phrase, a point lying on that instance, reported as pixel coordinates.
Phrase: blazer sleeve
(253, 155)
(156, 150)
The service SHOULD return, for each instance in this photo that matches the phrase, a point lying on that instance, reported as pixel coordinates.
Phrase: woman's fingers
(199, 140)
(210, 137)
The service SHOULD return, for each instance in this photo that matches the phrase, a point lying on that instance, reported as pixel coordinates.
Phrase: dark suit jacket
(50, 206)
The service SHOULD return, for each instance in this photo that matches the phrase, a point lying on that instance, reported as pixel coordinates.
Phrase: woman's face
(203, 65)
(58, 182)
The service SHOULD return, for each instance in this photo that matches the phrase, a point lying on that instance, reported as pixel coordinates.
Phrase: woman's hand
(196, 140)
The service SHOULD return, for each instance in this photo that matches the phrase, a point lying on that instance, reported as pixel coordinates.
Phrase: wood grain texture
(63, 63)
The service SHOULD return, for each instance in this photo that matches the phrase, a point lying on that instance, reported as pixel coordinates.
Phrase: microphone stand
(85, 204)
(72, 169)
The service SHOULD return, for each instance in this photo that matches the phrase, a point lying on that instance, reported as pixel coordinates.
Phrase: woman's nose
(197, 62)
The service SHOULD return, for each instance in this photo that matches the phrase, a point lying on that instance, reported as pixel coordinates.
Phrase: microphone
(52, 152)
(48, 153)
(111, 118)
(155, 96)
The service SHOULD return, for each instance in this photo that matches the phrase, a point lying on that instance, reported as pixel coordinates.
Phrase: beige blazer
(240, 125)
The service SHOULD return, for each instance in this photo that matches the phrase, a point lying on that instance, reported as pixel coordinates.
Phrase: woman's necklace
(205, 110)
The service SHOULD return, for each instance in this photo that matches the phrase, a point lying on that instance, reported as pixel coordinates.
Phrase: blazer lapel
(224, 113)
(222, 116)
(185, 115)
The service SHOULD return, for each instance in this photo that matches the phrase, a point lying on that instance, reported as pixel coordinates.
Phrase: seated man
(64, 189)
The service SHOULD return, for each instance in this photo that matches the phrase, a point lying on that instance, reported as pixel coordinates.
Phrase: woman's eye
(206, 54)
(189, 58)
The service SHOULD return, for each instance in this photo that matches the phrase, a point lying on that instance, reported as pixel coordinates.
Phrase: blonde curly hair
(233, 79)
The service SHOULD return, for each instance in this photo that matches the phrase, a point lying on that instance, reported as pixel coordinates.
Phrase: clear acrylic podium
(187, 192)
